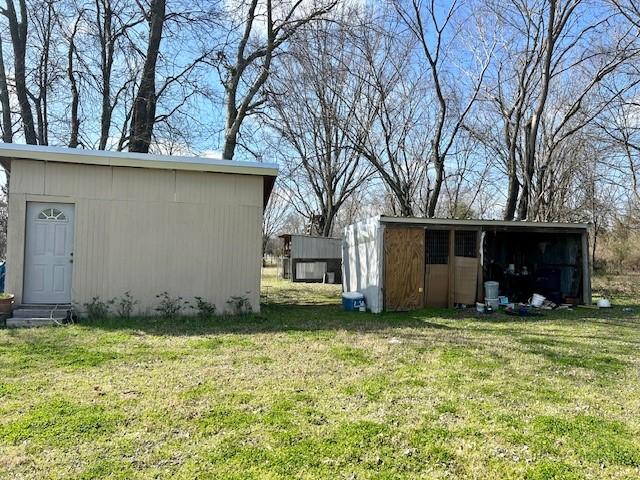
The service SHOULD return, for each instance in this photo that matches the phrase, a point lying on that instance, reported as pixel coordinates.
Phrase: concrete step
(44, 305)
(29, 322)
(39, 313)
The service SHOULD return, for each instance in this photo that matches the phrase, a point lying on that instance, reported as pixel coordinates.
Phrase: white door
(48, 253)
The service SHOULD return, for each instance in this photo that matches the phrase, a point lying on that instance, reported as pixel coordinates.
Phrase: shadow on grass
(557, 339)
(282, 318)
(285, 318)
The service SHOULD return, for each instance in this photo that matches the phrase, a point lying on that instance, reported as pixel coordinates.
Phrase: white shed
(86, 224)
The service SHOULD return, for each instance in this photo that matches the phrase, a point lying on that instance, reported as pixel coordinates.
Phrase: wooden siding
(147, 231)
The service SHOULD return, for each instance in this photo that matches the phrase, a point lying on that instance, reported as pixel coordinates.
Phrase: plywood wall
(404, 266)
(147, 231)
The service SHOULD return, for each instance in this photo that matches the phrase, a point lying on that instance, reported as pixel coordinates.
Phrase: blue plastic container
(352, 301)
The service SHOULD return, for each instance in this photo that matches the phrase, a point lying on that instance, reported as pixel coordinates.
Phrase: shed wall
(147, 231)
(362, 261)
(315, 247)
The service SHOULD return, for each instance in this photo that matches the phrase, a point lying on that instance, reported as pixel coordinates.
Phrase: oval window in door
(52, 214)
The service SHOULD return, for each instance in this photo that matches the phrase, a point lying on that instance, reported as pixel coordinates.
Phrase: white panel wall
(147, 231)
(362, 261)
(315, 247)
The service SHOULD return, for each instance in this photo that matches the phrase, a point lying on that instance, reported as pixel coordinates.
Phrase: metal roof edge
(307, 236)
(131, 159)
(478, 223)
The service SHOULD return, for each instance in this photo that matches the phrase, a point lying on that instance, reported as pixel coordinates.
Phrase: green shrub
(239, 305)
(96, 309)
(124, 305)
(170, 307)
(205, 308)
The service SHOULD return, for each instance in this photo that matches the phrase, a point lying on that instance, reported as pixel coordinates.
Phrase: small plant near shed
(205, 308)
(124, 305)
(239, 305)
(169, 307)
(96, 309)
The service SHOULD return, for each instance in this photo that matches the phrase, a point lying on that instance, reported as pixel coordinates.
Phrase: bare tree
(18, 28)
(314, 97)
(467, 178)
(74, 120)
(433, 32)
(394, 126)
(549, 84)
(274, 217)
(110, 24)
(245, 69)
(630, 9)
(5, 104)
(619, 132)
(45, 73)
(143, 117)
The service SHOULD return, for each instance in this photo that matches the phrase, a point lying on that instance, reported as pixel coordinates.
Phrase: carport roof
(485, 224)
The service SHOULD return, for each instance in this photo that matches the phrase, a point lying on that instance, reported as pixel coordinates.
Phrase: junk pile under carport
(410, 263)
(503, 304)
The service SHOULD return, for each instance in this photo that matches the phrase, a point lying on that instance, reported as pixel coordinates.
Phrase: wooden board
(466, 280)
(452, 270)
(586, 271)
(403, 268)
(436, 285)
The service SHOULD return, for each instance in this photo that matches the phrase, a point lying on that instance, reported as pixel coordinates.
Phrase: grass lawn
(310, 391)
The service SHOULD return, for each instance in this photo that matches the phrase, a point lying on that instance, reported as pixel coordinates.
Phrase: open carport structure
(410, 263)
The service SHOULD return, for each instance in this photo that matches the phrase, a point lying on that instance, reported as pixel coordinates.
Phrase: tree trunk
(595, 244)
(231, 130)
(75, 95)
(512, 194)
(529, 169)
(523, 204)
(512, 170)
(42, 101)
(144, 106)
(329, 219)
(5, 104)
(525, 194)
(18, 30)
(435, 193)
(106, 65)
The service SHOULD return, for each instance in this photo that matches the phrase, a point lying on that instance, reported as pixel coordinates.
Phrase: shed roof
(500, 224)
(14, 151)
(290, 235)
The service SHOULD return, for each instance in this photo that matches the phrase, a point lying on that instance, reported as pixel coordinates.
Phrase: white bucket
(537, 300)
(491, 289)
(492, 302)
(480, 307)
